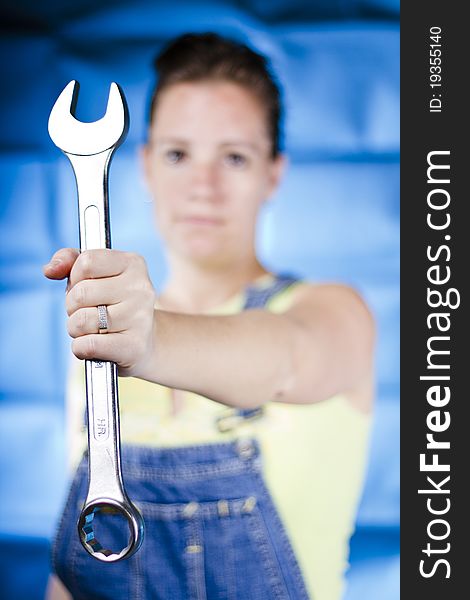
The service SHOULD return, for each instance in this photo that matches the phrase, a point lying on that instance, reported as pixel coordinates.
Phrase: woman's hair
(208, 56)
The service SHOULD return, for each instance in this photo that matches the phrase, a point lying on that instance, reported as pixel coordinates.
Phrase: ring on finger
(102, 319)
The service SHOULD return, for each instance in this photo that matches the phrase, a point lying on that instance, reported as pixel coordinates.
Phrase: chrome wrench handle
(106, 493)
(106, 489)
(91, 177)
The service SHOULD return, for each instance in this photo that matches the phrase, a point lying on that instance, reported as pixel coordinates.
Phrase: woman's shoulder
(312, 290)
(342, 309)
(296, 290)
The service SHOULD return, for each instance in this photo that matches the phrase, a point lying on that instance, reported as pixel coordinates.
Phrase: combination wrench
(89, 148)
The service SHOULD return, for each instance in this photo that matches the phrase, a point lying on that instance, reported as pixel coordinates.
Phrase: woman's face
(209, 168)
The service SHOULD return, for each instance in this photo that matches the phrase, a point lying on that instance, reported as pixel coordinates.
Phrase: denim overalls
(211, 528)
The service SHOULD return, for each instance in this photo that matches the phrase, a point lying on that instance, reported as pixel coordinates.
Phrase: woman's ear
(276, 171)
(144, 160)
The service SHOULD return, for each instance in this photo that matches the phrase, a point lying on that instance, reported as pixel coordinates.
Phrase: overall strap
(257, 297)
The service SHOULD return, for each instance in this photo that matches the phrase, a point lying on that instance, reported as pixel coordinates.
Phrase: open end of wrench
(85, 139)
(103, 518)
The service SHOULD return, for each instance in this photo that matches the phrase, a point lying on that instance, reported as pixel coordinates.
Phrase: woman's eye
(235, 160)
(174, 156)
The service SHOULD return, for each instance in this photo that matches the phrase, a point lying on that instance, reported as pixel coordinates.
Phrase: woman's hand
(120, 281)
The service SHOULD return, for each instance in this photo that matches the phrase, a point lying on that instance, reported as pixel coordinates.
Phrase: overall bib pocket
(212, 531)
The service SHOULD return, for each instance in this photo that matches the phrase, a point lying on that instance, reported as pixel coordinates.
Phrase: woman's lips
(200, 220)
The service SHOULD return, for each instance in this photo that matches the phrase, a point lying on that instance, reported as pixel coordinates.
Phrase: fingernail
(55, 262)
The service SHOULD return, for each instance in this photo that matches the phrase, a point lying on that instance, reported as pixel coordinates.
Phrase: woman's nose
(204, 182)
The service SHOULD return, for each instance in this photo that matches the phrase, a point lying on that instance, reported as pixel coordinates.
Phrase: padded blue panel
(384, 300)
(357, 111)
(385, 308)
(380, 500)
(32, 468)
(375, 577)
(342, 210)
(303, 10)
(26, 91)
(32, 553)
(53, 13)
(33, 355)
(375, 571)
(27, 223)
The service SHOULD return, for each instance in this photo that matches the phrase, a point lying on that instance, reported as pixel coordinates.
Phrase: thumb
(61, 263)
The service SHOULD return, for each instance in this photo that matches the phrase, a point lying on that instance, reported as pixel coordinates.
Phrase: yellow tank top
(314, 456)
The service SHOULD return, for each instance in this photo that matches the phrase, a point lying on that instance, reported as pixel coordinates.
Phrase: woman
(246, 450)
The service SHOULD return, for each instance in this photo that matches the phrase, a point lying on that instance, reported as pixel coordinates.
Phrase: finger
(110, 346)
(61, 263)
(85, 321)
(93, 292)
(95, 264)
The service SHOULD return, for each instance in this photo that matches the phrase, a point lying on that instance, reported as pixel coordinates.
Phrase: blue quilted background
(336, 216)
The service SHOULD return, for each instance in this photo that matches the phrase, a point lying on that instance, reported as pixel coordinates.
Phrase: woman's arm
(321, 346)
(56, 590)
